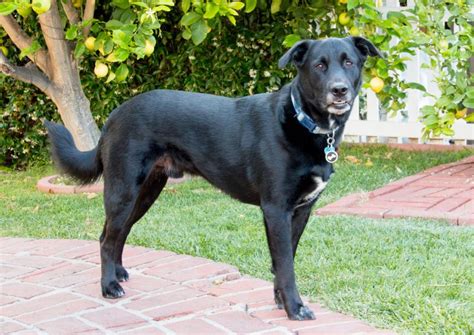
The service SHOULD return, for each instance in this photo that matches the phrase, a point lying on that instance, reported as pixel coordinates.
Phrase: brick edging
(46, 185)
(53, 285)
(344, 206)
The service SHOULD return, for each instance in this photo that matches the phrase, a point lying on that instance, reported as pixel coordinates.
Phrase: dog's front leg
(298, 223)
(279, 235)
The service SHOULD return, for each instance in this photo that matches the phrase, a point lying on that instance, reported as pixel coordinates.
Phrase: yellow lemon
(89, 43)
(343, 2)
(461, 113)
(376, 84)
(100, 69)
(149, 47)
(344, 18)
(4, 51)
(354, 31)
(41, 6)
(77, 3)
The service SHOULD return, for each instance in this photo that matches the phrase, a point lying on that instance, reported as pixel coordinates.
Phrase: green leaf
(392, 15)
(113, 25)
(118, 55)
(470, 92)
(447, 131)
(123, 4)
(140, 4)
(110, 77)
(79, 50)
(232, 19)
(290, 40)
(469, 117)
(275, 8)
(6, 8)
(232, 11)
(351, 4)
(185, 4)
(237, 5)
(164, 3)
(121, 38)
(416, 86)
(431, 120)
(199, 31)
(190, 18)
(187, 34)
(71, 33)
(161, 8)
(211, 10)
(108, 46)
(139, 40)
(469, 103)
(427, 110)
(250, 5)
(121, 72)
(35, 46)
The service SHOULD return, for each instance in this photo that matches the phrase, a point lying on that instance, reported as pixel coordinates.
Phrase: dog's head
(329, 72)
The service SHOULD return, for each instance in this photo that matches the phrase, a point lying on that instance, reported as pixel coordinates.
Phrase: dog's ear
(297, 54)
(366, 47)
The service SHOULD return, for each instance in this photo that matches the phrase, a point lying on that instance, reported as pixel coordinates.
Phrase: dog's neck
(305, 120)
(323, 120)
(313, 144)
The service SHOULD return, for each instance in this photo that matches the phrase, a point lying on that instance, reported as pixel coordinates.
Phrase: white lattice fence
(404, 127)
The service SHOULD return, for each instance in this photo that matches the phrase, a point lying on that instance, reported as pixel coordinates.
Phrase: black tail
(85, 166)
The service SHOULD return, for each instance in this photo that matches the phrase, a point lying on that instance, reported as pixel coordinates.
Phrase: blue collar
(306, 121)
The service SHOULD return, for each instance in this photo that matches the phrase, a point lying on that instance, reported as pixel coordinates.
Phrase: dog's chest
(314, 189)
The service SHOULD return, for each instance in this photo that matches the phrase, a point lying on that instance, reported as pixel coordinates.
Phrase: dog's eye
(348, 63)
(320, 66)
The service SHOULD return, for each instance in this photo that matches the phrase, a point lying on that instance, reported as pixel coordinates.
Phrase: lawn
(409, 275)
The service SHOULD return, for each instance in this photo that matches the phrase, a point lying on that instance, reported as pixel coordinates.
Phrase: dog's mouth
(339, 107)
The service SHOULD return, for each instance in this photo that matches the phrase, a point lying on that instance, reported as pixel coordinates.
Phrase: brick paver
(52, 287)
(443, 192)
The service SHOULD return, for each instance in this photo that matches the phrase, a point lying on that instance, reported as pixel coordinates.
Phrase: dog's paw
(112, 290)
(121, 273)
(304, 313)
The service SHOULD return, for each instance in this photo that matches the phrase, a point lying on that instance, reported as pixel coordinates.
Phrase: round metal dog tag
(331, 155)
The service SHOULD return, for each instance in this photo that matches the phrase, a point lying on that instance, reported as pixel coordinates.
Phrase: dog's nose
(339, 89)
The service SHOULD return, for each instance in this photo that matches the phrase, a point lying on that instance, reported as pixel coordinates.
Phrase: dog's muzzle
(339, 107)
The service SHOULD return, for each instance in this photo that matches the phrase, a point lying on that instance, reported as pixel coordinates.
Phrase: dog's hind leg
(126, 201)
(118, 206)
(149, 192)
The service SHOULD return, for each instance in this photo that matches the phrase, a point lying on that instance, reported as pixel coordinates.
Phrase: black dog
(272, 150)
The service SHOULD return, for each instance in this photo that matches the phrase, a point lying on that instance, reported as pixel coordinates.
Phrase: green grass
(411, 275)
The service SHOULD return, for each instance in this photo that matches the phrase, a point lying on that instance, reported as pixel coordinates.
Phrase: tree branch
(71, 12)
(23, 41)
(59, 49)
(28, 74)
(88, 14)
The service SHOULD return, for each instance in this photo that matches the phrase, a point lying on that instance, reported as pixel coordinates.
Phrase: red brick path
(443, 192)
(52, 287)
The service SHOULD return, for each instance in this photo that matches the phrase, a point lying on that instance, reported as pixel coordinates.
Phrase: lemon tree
(61, 37)
(71, 33)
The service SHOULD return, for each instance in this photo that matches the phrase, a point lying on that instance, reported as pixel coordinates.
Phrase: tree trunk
(55, 72)
(75, 112)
